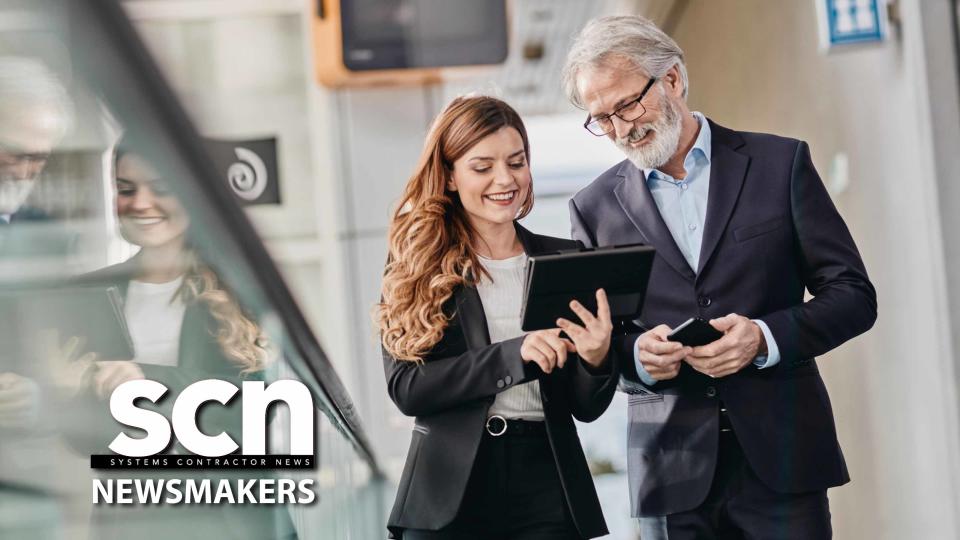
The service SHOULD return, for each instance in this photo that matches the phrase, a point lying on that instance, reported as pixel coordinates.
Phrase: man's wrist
(761, 340)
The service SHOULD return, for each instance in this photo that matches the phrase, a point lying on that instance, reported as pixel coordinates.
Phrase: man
(35, 113)
(734, 439)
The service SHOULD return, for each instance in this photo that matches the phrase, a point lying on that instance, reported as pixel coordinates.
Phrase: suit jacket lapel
(527, 239)
(473, 321)
(637, 202)
(727, 171)
(470, 308)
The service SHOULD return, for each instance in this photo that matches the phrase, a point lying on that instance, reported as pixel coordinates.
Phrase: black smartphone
(694, 333)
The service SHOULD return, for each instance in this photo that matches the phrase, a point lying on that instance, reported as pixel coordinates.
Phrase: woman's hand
(546, 348)
(112, 373)
(68, 367)
(593, 341)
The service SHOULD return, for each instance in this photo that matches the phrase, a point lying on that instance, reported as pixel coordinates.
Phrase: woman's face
(150, 216)
(493, 178)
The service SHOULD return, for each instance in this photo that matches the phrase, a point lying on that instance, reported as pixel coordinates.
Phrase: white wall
(754, 65)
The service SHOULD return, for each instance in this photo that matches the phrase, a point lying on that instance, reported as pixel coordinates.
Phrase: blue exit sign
(844, 22)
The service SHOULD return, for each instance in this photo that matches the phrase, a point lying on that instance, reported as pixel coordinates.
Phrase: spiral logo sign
(248, 177)
(249, 167)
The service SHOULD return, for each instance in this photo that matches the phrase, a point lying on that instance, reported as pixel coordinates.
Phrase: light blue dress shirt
(683, 206)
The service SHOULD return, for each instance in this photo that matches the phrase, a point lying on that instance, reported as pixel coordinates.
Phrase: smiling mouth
(502, 198)
(638, 139)
(145, 221)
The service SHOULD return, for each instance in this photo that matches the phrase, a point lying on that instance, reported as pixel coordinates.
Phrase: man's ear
(673, 81)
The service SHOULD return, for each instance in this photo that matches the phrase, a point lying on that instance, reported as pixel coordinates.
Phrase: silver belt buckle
(496, 425)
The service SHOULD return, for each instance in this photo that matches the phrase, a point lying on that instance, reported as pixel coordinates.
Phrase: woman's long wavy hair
(239, 337)
(431, 242)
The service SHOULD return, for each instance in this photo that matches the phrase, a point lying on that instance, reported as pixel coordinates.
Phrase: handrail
(101, 26)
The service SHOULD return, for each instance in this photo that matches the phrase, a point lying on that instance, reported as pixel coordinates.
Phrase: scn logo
(256, 399)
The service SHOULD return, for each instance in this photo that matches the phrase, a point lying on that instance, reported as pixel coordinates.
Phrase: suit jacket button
(508, 379)
(704, 301)
(711, 391)
(500, 383)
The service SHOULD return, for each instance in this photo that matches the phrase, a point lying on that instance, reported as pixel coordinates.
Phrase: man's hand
(659, 357)
(19, 401)
(742, 341)
(592, 341)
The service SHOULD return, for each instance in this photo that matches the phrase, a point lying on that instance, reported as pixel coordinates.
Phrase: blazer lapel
(531, 244)
(637, 202)
(473, 320)
(728, 168)
(469, 307)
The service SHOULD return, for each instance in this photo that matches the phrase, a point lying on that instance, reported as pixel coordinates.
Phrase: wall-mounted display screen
(398, 34)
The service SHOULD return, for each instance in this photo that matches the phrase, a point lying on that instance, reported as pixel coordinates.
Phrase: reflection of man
(734, 439)
(35, 113)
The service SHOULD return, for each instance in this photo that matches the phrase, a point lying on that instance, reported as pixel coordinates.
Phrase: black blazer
(450, 393)
(199, 355)
(771, 232)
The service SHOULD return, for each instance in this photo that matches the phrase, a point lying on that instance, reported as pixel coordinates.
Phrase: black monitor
(403, 34)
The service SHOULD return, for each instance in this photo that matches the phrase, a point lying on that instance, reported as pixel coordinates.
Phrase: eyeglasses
(13, 157)
(628, 112)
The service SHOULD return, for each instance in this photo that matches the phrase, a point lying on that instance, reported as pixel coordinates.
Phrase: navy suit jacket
(771, 232)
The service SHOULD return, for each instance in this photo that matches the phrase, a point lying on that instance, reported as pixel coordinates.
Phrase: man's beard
(662, 147)
(13, 193)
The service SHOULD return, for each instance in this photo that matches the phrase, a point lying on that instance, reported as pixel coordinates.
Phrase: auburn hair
(431, 242)
(240, 339)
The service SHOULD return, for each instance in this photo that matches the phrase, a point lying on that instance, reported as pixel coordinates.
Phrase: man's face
(25, 144)
(18, 173)
(650, 140)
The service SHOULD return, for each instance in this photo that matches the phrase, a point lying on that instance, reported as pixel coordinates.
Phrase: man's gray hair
(27, 84)
(631, 37)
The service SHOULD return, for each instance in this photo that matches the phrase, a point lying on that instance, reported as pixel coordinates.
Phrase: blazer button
(711, 391)
(704, 301)
(500, 383)
(508, 379)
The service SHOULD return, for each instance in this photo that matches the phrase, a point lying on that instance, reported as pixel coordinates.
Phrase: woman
(186, 326)
(183, 322)
(495, 452)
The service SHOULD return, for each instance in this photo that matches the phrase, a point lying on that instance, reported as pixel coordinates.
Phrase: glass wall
(125, 255)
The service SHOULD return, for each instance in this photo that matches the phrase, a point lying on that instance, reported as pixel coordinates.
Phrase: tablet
(92, 313)
(553, 280)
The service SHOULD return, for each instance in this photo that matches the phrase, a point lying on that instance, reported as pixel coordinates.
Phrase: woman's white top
(501, 300)
(154, 319)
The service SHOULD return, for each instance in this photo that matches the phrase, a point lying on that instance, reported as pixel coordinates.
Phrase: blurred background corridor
(246, 94)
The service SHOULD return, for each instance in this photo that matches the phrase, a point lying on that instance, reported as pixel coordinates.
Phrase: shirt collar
(701, 147)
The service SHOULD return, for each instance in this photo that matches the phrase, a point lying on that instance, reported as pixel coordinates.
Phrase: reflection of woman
(185, 326)
(495, 452)
(179, 314)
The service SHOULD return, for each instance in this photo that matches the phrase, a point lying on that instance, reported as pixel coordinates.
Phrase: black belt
(497, 425)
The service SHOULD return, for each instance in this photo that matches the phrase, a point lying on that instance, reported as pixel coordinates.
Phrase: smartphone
(694, 333)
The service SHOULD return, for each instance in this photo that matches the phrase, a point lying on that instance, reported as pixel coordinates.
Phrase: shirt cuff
(645, 377)
(772, 357)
